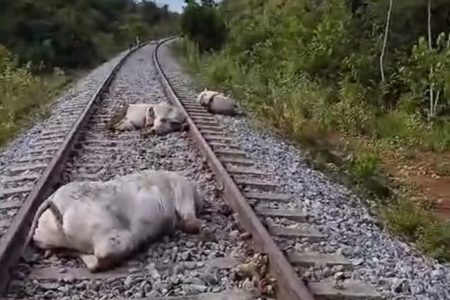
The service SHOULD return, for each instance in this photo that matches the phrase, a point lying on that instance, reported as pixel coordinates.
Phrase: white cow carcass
(106, 221)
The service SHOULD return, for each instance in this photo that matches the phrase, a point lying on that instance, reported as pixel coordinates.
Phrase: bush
(437, 138)
(204, 25)
(400, 127)
(364, 165)
(407, 217)
(434, 238)
(351, 113)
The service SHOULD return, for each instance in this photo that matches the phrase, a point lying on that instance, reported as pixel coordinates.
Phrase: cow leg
(146, 132)
(191, 225)
(60, 252)
(109, 250)
(110, 246)
(186, 213)
(188, 221)
(185, 126)
(125, 125)
(96, 264)
(48, 253)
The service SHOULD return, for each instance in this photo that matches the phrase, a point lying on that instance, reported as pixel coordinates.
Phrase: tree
(204, 25)
(386, 33)
(78, 33)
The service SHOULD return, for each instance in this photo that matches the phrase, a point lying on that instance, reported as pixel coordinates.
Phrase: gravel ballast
(85, 87)
(393, 267)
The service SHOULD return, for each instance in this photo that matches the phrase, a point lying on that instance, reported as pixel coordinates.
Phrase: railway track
(76, 146)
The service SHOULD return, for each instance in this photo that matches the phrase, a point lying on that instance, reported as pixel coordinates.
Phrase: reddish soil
(427, 173)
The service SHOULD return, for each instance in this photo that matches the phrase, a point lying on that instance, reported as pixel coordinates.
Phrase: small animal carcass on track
(104, 222)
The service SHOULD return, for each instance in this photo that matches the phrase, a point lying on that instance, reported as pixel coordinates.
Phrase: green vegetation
(337, 75)
(80, 33)
(39, 39)
(418, 223)
(23, 95)
(204, 25)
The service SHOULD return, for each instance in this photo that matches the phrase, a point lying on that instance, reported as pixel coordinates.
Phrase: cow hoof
(192, 226)
(185, 127)
(91, 262)
(48, 253)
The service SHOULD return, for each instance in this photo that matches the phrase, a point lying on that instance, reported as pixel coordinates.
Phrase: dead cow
(217, 103)
(161, 118)
(104, 222)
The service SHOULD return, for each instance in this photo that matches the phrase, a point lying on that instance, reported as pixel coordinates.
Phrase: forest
(362, 85)
(80, 33)
(43, 44)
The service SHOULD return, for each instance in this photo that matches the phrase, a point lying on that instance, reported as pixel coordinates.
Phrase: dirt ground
(427, 173)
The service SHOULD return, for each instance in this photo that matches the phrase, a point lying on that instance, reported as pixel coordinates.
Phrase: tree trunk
(430, 45)
(386, 33)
